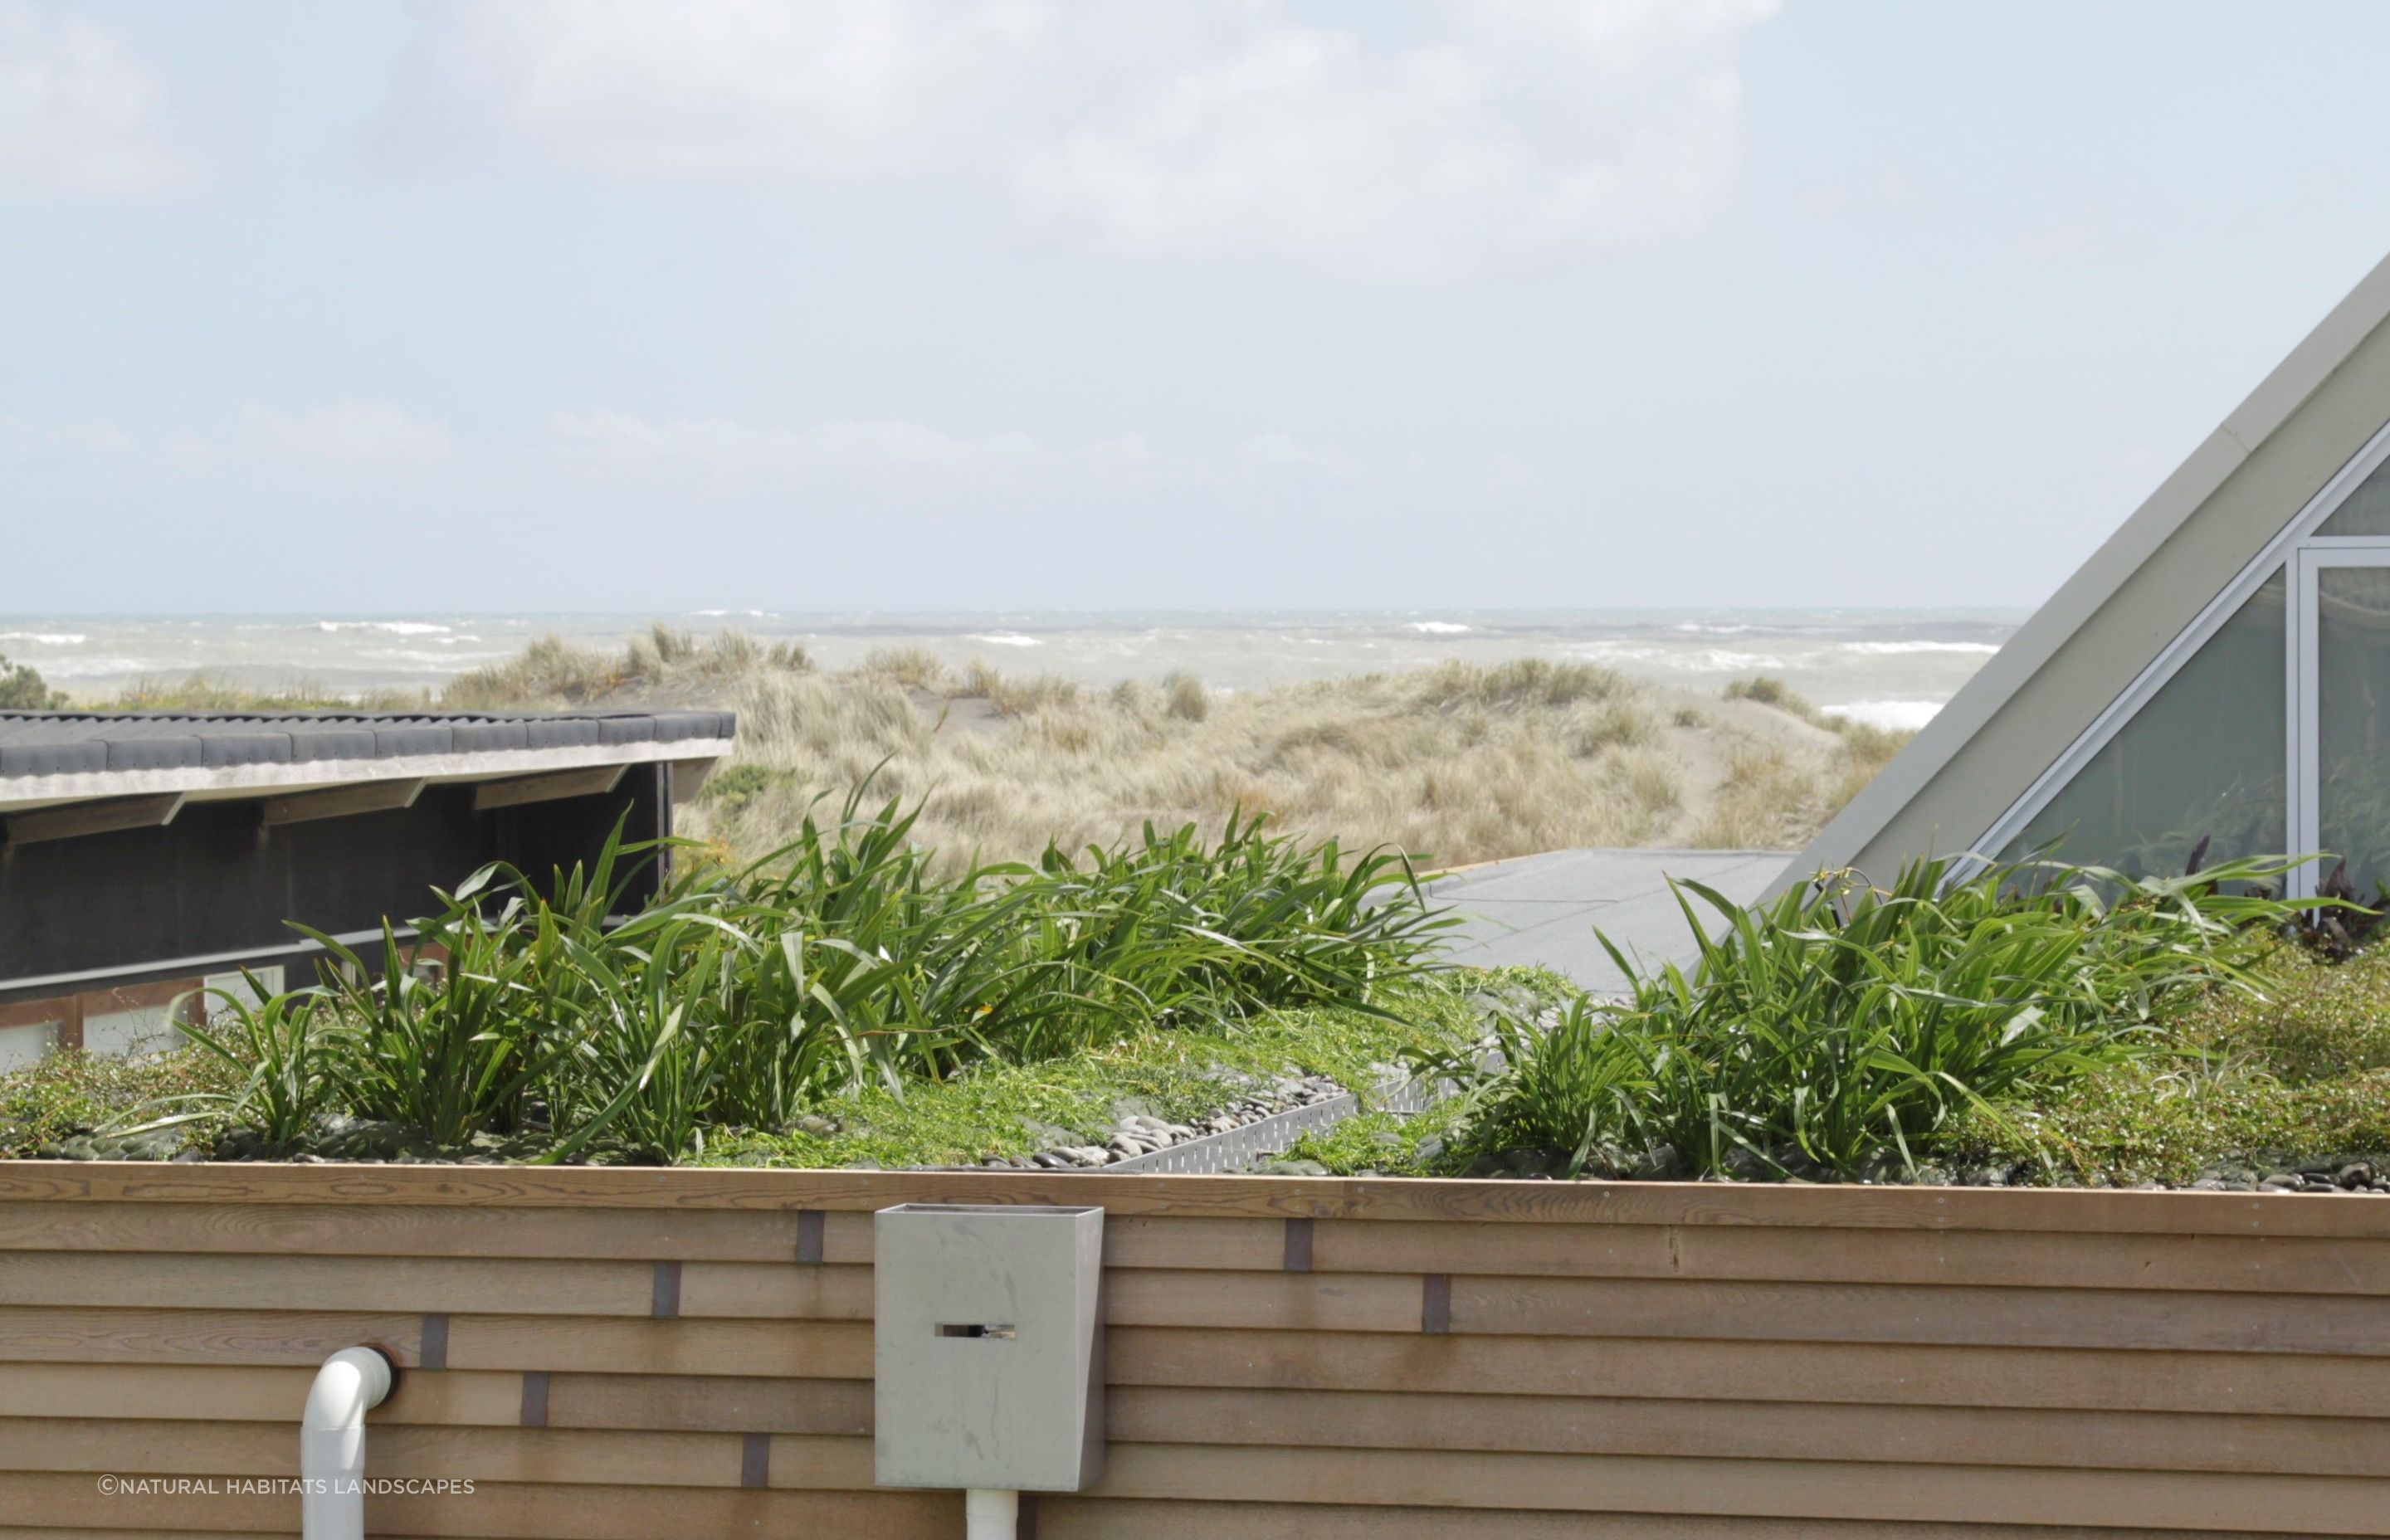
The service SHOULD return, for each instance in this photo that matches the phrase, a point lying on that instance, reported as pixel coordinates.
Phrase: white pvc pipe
(988, 1515)
(332, 1444)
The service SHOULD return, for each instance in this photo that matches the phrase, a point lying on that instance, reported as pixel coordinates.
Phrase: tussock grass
(916, 668)
(1184, 696)
(1029, 697)
(1520, 682)
(1455, 766)
(1866, 750)
(1460, 764)
(552, 672)
(1646, 782)
(1765, 690)
(1766, 793)
(1765, 801)
(1627, 724)
(1770, 691)
(206, 692)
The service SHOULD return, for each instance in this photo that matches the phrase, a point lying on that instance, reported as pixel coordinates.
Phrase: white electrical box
(990, 1368)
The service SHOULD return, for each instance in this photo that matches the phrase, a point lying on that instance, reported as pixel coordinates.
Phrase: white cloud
(1502, 133)
(728, 448)
(78, 111)
(1284, 449)
(27, 439)
(729, 88)
(355, 432)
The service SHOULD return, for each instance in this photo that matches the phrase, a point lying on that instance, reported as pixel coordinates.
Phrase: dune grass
(551, 673)
(207, 692)
(1766, 797)
(1453, 765)
(1770, 691)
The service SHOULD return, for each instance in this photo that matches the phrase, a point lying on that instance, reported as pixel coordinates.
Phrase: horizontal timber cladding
(630, 1353)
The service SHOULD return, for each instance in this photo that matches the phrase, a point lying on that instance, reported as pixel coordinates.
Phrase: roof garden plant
(2242, 1089)
(1846, 1032)
(543, 1017)
(997, 1109)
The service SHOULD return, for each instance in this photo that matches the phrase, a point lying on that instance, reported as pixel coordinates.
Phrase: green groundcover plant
(1843, 1031)
(735, 999)
(1002, 1109)
(2240, 1085)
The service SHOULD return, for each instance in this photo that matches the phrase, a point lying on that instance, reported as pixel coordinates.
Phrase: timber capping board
(1644, 1203)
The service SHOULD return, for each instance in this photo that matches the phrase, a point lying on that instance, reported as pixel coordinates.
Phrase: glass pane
(2202, 760)
(2367, 510)
(2352, 720)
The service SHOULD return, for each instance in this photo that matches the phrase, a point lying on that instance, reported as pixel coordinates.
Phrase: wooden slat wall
(633, 1354)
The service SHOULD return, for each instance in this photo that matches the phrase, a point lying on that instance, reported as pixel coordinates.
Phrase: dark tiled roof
(70, 743)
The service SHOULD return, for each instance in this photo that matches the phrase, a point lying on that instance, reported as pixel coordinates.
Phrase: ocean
(1895, 668)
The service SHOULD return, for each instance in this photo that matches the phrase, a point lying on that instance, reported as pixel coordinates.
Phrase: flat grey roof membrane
(74, 743)
(1542, 910)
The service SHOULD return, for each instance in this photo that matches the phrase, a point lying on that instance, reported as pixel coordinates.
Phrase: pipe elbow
(351, 1382)
(332, 1443)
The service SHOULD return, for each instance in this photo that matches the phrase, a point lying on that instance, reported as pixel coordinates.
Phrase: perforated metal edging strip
(1238, 1147)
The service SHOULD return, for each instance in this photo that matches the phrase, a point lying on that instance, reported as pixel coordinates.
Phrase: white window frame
(2307, 564)
(2295, 551)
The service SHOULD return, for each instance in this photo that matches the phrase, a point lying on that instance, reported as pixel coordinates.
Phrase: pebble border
(1217, 1154)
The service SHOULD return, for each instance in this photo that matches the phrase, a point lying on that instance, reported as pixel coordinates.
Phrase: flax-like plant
(451, 1056)
(1214, 929)
(651, 1047)
(880, 970)
(849, 957)
(1843, 1026)
(279, 1044)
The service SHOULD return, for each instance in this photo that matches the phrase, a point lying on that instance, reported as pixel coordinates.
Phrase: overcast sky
(1225, 304)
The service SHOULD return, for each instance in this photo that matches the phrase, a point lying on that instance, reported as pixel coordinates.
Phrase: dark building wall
(214, 882)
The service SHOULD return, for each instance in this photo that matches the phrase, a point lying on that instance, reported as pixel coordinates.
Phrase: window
(2365, 510)
(2203, 759)
(2353, 722)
